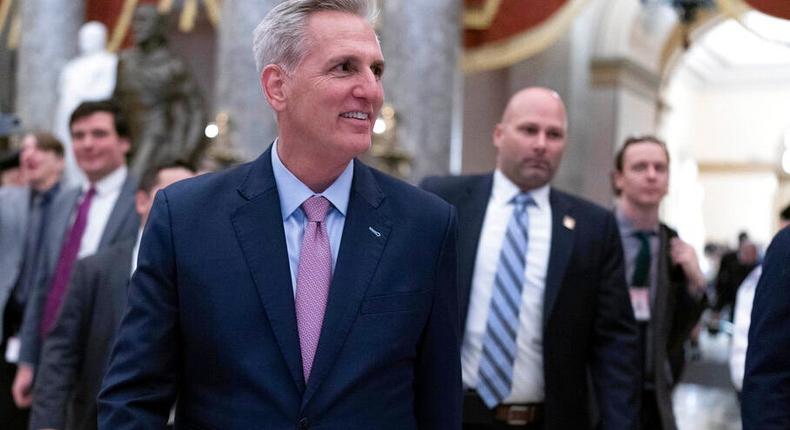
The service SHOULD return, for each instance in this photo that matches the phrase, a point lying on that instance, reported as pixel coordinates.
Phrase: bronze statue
(159, 96)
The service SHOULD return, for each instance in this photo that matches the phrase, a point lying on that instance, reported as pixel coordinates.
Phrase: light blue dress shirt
(293, 193)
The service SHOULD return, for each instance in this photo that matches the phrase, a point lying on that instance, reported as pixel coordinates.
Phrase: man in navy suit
(543, 293)
(766, 384)
(254, 309)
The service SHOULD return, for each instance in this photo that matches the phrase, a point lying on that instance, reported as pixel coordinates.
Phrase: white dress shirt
(528, 380)
(107, 191)
(136, 251)
(742, 320)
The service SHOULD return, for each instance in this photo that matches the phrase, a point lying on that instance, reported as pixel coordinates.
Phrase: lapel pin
(569, 222)
(374, 231)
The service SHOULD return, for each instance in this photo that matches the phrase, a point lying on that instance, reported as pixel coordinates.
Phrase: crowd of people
(305, 289)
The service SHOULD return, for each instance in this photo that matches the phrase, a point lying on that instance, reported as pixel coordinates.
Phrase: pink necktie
(68, 255)
(312, 279)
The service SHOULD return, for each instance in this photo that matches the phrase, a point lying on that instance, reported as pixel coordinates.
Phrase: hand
(684, 255)
(22, 389)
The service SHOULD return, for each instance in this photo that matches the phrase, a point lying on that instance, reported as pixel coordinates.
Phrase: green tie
(642, 266)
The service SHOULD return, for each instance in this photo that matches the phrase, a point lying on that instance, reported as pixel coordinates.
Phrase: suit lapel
(365, 235)
(562, 233)
(124, 207)
(119, 280)
(259, 229)
(59, 220)
(471, 211)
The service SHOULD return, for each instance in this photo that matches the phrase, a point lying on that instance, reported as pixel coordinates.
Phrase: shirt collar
(626, 226)
(294, 192)
(504, 190)
(44, 196)
(112, 182)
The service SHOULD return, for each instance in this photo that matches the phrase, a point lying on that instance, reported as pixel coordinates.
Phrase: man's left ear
(273, 81)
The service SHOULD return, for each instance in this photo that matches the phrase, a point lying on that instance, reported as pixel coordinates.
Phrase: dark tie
(312, 279)
(68, 254)
(642, 264)
(499, 345)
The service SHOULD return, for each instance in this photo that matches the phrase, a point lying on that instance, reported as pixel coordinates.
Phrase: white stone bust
(89, 76)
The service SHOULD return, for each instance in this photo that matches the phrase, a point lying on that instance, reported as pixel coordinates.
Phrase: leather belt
(519, 415)
(529, 415)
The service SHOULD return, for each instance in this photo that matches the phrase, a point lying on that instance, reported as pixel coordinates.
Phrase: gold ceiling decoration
(495, 55)
(12, 40)
(122, 25)
(481, 18)
(736, 8)
(186, 21)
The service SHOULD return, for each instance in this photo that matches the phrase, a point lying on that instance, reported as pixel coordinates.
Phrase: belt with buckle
(519, 415)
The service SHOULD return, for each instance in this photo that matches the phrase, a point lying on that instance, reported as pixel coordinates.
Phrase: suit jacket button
(303, 424)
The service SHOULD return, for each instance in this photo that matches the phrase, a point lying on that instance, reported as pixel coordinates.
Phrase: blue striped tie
(499, 345)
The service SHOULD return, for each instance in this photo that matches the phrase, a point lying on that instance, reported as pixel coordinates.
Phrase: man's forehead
(540, 106)
(339, 29)
(645, 150)
(95, 118)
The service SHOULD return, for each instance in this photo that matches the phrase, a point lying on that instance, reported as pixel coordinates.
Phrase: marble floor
(705, 399)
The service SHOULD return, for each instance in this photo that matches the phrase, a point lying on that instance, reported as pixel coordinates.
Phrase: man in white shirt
(543, 292)
(742, 316)
(102, 214)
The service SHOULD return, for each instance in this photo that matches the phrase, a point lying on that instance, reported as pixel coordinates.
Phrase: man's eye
(378, 71)
(343, 67)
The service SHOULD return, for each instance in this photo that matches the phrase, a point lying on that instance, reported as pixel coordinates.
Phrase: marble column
(421, 41)
(48, 40)
(238, 91)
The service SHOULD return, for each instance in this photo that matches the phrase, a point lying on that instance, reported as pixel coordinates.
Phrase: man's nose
(368, 87)
(540, 141)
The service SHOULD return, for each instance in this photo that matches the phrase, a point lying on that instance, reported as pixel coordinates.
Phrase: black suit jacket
(211, 316)
(75, 354)
(587, 318)
(675, 312)
(766, 386)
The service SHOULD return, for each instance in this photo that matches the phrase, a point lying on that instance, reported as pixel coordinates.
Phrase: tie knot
(315, 208)
(521, 200)
(643, 235)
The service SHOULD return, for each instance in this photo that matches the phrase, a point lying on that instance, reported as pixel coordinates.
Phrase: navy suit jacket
(211, 318)
(588, 323)
(74, 355)
(766, 385)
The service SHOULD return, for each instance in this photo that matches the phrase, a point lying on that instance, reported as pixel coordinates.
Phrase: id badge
(640, 302)
(12, 350)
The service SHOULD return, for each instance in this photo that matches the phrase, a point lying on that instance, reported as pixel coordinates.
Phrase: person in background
(666, 284)
(25, 211)
(734, 267)
(543, 293)
(96, 214)
(75, 355)
(742, 316)
(766, 383)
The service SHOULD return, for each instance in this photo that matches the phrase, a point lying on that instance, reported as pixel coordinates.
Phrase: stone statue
(158, 96)
(89, 76)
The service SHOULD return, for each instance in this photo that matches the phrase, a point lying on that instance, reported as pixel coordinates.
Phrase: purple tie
(68, 254)
(312, 279)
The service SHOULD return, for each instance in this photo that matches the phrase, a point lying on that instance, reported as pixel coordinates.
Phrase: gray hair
(280, 37)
